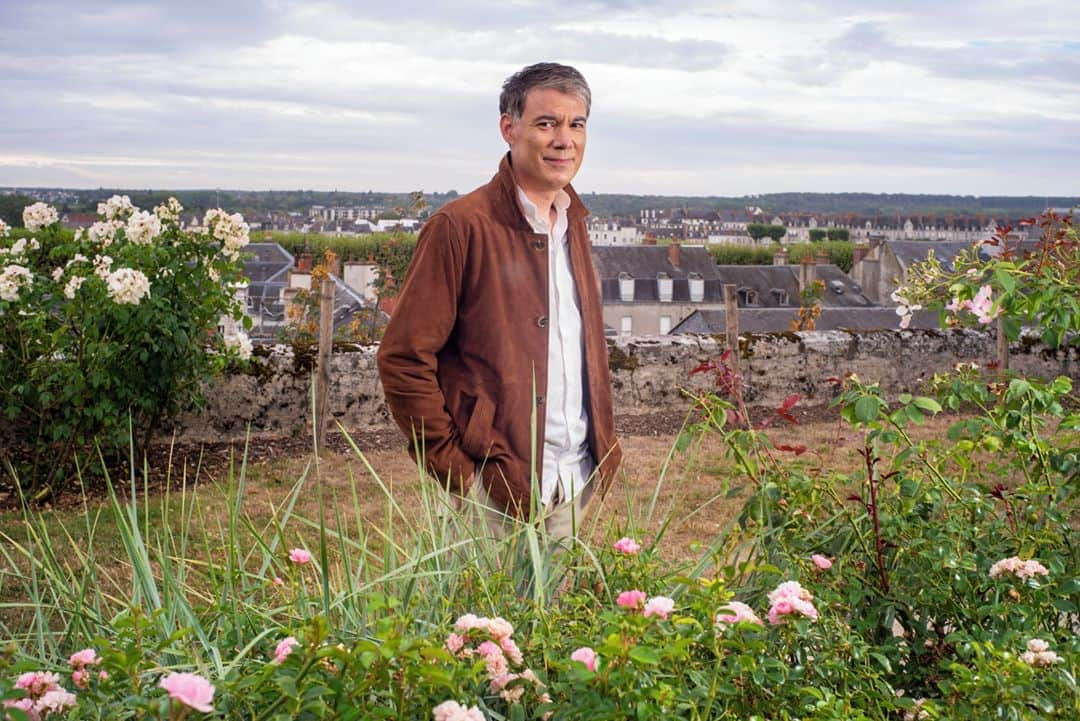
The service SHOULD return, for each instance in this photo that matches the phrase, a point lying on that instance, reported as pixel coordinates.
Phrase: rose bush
(939, 581)
(108, 326)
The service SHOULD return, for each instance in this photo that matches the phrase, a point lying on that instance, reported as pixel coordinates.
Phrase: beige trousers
(561, 519)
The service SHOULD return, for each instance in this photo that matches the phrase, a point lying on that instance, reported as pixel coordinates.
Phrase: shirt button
(539, 400)
(539, 244)
(542, 321)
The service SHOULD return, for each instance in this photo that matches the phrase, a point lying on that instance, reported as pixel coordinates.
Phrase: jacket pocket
(476, 436)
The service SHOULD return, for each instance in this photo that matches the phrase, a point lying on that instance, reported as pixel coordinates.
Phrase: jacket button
(542, 321)
(539, 400)
(539, 244)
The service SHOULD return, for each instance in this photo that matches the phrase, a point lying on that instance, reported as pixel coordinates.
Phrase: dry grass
(694, 492)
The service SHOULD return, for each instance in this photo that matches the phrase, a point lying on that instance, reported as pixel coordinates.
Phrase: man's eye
(546, 124)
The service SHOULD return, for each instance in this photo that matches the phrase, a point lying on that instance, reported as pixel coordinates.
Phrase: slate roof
(908, 252)
(644, 262)
(840, 290)
(774, 320)
(267, 271)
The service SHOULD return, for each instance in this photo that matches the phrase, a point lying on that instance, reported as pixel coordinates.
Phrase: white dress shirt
(567, 463)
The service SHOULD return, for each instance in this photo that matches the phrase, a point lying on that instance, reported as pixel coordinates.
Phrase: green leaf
(866, 409)
(645, 655)
(927, 404)
(1005, 280)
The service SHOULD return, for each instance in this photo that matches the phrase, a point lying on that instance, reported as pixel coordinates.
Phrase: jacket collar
(506, 186)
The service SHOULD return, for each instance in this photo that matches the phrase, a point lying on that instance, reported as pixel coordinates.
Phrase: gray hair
(563, 78)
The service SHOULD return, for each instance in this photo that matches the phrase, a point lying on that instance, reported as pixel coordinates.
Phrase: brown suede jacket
(464, 358)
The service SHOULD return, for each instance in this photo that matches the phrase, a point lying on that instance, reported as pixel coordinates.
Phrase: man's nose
(563, 136)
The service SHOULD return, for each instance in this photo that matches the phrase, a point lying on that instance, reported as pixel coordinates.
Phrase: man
(494, 363)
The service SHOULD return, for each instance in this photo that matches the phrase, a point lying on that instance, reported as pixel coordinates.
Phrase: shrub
(937, 581)
(1038, 289)
(109, 327)
(840, 253)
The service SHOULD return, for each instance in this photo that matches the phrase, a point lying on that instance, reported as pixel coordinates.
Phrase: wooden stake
(1002, 345)
(326, 345)
(731, 322)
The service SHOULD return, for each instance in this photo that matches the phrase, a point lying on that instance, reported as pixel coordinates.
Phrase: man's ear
(506, 127)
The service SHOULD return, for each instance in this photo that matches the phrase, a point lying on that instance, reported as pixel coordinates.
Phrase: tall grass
(205, 577)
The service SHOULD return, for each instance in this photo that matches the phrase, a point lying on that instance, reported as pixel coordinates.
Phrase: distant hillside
(862, 204)
(252, 202)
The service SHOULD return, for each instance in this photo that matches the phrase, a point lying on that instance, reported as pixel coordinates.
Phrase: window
(697, 288)
(665, 324)
(626, 287)
(663, 280)
(626, 326)
(747, 296)
(780, 296)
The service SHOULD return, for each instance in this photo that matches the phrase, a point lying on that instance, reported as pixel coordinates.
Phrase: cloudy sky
(725, 98)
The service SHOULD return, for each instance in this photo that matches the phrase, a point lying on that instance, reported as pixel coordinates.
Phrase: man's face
(548, 142)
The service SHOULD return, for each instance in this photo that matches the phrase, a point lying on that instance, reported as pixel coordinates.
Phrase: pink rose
(1020, 569)
(499, 628)
(190, 689)
(627, 545)
(299, 555)
(278, 581)
(284, 648)
(821, 562)
(80, 677)
(631, 599)
(55, 701)
(661, 606)
(37, 683)
(454, 643)
(510, 648)
(740, 613)
(103, 675)
(494, 659)
(453, 711)
(86, 657)
(790, 598)
(26, 705)
(586, 656)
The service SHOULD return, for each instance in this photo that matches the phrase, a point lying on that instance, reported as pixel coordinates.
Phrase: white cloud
(688, 98)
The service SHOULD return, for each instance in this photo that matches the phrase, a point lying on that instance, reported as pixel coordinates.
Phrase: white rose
(127, 286)
(39, 215)
(241, 343)
(117, 207)
(73, 285)
(143, 227)
(12, 280)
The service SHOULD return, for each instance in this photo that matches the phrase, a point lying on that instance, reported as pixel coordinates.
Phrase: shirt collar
(562, 202)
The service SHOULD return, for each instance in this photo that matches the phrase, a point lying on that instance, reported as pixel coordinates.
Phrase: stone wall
(648, 374)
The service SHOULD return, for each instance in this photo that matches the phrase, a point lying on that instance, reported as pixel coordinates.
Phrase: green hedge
(374, 246)
(840, 253)
(347, 248)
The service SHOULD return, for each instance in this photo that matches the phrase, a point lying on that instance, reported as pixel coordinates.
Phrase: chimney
(871, 279)
(858, 253)
(650, 239)
(780, 256)
(673, 254)
(807, 273)
(303, 263)
(822, 257)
